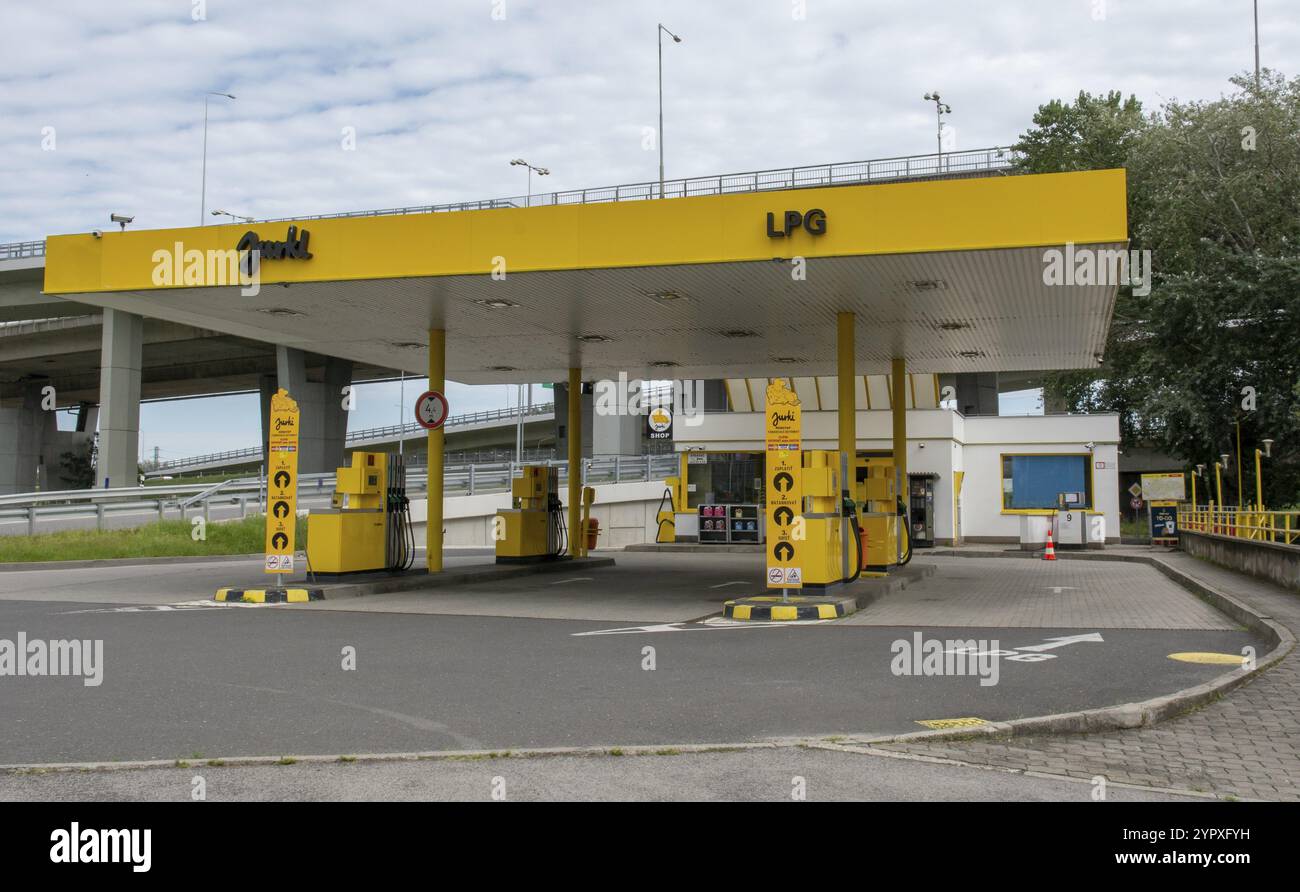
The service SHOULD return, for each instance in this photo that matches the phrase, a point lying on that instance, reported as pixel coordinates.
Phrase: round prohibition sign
(431, 410)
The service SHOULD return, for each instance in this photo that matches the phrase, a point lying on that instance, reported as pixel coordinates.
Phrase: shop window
(724, 478)
(1033, 482)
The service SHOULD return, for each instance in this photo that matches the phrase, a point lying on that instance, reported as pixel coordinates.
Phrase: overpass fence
(374, 434)
(124, 507)
(998, 160)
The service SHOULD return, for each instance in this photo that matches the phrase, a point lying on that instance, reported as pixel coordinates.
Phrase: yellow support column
(898, 372)
(575, 462)
(848, 397)
(437, 438)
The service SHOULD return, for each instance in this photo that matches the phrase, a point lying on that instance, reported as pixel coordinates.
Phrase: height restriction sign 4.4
(431, 410)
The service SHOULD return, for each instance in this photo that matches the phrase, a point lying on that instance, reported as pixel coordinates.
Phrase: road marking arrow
(1053, 643)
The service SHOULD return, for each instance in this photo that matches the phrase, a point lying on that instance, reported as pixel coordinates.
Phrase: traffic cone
(1050, 554)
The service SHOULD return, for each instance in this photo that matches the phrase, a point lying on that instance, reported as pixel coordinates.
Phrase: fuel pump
(884, 515)
(367, 527)
(532, 528)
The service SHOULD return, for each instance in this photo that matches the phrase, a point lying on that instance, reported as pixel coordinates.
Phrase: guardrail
(254, 453)
(936, 165)
(24, 512)
(15, 250)
(1280, 527)
(998, 159)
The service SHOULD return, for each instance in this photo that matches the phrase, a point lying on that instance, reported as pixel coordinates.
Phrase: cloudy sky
(101, 104)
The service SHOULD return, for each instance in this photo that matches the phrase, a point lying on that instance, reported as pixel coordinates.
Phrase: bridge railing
(136, 505)
(254, 453)
(938, 165)
(15, 250)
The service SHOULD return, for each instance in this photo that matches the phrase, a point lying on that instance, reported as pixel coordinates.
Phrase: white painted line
(574, 579)
(725, 584)
(709, 625)
(1053, 643)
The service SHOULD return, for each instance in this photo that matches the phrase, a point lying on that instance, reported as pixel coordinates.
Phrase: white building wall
(942, 441)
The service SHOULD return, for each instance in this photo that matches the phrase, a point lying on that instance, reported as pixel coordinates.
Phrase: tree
(1091, 133)
(1214, 195)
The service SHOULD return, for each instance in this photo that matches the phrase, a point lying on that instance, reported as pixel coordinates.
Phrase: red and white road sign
(431, 410)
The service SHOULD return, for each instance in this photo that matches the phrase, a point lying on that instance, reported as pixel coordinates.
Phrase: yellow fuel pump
(532, 528)
(367, 526)
(831, 548)
(882, 517)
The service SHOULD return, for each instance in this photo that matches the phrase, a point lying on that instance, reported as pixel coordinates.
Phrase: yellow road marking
(1208, 658)
(952, 723)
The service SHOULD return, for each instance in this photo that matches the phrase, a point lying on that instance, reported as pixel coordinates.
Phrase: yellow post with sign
(784, 486)
(282, 483)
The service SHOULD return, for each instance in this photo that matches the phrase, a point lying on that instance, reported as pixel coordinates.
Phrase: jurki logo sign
(294, 247)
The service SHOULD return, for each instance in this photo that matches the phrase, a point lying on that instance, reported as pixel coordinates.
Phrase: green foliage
(171, 538)
(1214, 195)
(77, 467)
(1091, 133)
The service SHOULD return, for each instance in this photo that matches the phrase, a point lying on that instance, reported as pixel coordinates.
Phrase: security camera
(120, 219)
(97, 233)
(1090, 446)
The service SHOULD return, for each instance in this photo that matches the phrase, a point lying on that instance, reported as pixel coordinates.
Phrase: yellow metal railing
(1282, 527)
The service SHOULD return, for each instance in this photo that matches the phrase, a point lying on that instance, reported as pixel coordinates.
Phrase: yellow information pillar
(575, 462)
(437, 439)
(848, 393)
(898, 375)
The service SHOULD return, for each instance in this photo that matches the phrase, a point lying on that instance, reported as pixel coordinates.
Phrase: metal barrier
(946, 165)
(254, 453)
(23, 512)
(15, 250)
(1281, 527)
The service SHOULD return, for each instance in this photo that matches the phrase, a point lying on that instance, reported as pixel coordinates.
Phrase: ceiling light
(667, 296)
(739, 333)
(786, 359)
(502, 368)
(594, 339)
(406, 345)
(951, 326)
(663, 364)
(927, 285)
(281, 311)
(971, 354)
(496, 304)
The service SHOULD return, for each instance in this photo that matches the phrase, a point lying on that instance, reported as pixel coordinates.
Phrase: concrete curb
(20, 566)
(428, 756)
(1139, 714)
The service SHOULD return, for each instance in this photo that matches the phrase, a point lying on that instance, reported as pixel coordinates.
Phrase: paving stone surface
(1022, 592)
(1246, 745)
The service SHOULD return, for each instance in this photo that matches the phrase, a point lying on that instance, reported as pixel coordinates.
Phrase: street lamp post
(203, 189)
(541, 172)
(941, 108)
(234, 218)
(662, 31)
(1267, 452)
(1256, 44)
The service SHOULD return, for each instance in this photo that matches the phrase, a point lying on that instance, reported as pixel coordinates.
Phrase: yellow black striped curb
(270, 595)
(769, 609)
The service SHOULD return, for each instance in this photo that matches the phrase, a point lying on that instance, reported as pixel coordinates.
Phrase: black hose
(906, 521)
(668, 497)
(857, 538)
